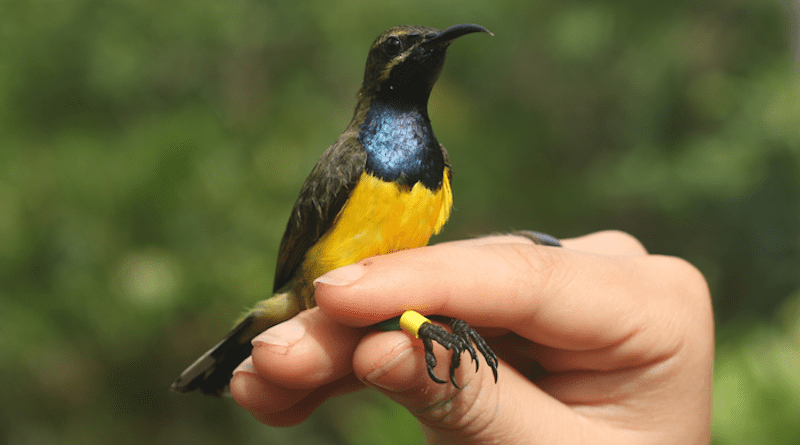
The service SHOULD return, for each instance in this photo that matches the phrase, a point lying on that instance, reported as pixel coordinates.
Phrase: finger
(557, 297)
(478, 412)
(309, 404)
(255, 394)
(291, 360)
(307, 351)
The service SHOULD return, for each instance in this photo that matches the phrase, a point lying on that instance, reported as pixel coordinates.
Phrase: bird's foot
(461, 339)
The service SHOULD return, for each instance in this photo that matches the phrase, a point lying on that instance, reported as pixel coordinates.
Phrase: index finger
(556, 297)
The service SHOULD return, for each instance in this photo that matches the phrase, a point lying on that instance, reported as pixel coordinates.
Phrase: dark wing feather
(322, 197)
(448, 169)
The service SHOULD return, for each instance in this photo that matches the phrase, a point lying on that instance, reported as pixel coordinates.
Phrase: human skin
(599, 342)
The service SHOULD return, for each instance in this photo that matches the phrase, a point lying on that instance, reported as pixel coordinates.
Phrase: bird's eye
(392, 46)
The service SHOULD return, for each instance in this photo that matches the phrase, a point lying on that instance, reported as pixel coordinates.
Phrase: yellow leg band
(411, 321)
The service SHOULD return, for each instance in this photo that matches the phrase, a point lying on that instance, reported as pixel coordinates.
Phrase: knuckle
(689, 284)
(625, 240)
(683, 272)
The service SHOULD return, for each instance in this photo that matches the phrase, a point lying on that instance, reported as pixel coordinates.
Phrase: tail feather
(212, 372)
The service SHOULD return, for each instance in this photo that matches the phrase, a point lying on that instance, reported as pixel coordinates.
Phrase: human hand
(599, 342)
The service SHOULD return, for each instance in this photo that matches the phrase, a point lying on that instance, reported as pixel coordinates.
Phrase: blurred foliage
(151, 153)
(756, 390)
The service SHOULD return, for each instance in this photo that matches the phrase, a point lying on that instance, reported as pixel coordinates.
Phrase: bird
(383, 186)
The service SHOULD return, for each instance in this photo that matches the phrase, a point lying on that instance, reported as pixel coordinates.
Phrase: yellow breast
(379, 218)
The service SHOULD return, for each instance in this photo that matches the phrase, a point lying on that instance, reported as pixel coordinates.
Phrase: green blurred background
(150, 153)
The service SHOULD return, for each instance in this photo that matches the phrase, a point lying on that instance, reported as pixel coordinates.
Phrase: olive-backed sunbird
(383, 186)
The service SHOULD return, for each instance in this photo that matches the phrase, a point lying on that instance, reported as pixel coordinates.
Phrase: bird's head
(405, 61)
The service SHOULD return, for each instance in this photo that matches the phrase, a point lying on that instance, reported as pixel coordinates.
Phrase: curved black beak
(448, 35)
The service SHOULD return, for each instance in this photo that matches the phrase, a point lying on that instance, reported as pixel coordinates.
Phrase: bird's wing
(323, 195)
(448, 168)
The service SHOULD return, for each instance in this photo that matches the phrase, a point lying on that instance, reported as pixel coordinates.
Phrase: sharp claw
(453, 378)
(474, 357)
(434, 377)
(493, 366)
(458, 341)
(471, 350)
(485, 350)
(455, 362)
(430, 358)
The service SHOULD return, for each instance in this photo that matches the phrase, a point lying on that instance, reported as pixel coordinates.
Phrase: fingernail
(282, 335)
(246, 366)
(342, 276)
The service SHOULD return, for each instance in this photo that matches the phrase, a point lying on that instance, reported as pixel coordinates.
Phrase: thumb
(394, 364)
